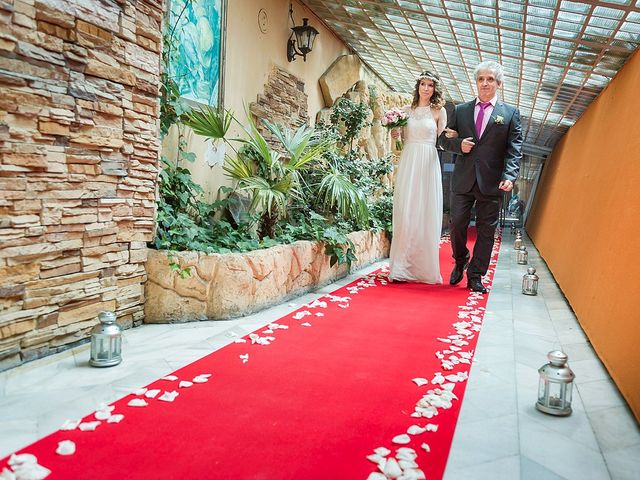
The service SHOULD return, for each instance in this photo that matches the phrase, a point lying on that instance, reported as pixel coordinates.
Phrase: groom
(489, 148)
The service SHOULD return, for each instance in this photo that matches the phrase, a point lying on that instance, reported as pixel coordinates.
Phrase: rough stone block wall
(78, 167)
(283, 102)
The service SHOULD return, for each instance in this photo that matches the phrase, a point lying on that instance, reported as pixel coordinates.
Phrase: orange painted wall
(585, 221)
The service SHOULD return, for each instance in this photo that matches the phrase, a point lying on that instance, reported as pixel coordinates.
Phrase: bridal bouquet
(395, 118)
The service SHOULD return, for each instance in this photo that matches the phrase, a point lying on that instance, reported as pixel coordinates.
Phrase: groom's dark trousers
(487, 212)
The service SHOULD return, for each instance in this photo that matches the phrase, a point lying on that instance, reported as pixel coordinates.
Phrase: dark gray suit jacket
(496, 155)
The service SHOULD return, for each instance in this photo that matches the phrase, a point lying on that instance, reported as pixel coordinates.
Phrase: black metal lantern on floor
(106, 341)
(301, 39)
(530, 282)
(556, 385)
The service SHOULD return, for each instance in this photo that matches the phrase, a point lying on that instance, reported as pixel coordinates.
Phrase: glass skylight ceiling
(558, 55)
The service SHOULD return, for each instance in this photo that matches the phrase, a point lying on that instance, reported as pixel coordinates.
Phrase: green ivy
(310, 225)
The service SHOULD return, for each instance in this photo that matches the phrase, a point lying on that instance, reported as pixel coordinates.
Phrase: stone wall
(78, 166)
(226, 285)
(283, 102)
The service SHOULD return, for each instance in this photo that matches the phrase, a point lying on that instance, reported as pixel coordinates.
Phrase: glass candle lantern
(522, 256)
(556, 385)
(518, 243)
(530, 282)
(106, 341)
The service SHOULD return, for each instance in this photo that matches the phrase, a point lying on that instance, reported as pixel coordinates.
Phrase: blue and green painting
(195, 60)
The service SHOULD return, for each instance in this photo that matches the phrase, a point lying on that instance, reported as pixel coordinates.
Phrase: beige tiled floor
(499, 435)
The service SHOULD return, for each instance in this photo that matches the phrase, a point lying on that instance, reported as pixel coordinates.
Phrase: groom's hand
(506, 185)
(467, 144)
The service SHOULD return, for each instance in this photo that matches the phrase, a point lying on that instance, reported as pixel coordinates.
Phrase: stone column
(78, 167)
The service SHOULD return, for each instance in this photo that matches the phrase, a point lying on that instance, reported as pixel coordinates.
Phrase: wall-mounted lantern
(301, 39)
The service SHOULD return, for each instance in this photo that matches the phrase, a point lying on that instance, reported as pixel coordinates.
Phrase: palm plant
(337, 191)
(209, 122)
(273, 178)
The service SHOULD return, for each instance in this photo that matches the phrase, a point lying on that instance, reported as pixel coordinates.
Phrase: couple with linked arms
(486, 135)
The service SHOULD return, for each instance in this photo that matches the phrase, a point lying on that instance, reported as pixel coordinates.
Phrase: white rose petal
(102, 414)
(382, 451)
(31, 471)
(401, 439)
(406, 453)
(416, 430)
(375, 458)
(405, 464)
(168, 396)
(413, 474)
(300, 315)
(152, 393)
(7, 474)
(66, 447)
(376, 476)
(88, 426)
(115, 418)
(70, 424)
(22, 459)
(392, 469)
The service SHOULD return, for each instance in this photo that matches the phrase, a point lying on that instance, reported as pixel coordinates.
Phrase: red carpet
(313, 404)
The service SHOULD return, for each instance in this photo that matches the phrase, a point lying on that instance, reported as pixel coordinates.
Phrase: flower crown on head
(427, 76)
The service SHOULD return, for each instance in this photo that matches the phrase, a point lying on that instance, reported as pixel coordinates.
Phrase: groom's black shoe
(475, 284)
(458, 272)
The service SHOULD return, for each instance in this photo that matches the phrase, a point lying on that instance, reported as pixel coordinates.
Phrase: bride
(417, 198)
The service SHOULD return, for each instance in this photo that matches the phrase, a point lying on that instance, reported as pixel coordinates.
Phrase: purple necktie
(480, 117)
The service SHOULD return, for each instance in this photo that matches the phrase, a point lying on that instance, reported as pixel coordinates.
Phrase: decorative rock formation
(339, 77)
(223, 286)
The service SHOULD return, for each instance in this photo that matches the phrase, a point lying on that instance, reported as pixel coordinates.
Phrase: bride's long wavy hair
(437, 99)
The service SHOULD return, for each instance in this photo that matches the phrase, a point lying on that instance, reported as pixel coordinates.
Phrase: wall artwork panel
(197, 43)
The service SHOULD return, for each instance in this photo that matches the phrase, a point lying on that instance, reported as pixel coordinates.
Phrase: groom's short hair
(490, 65)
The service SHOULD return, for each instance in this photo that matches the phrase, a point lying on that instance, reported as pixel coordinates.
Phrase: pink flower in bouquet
(395, 118)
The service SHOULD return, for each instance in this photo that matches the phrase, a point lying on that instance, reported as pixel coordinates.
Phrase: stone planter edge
(223, 286)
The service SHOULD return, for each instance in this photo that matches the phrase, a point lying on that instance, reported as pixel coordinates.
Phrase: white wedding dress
(417, 201)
